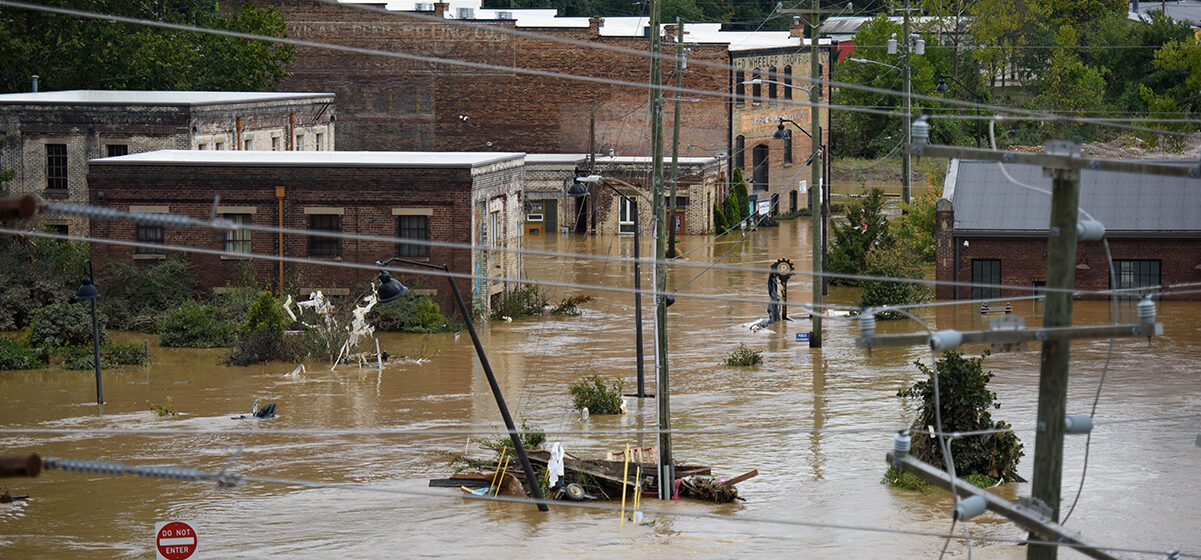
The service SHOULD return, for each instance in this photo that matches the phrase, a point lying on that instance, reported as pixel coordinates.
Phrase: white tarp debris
(554, 467)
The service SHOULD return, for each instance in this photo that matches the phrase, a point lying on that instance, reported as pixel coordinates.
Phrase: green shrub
(14, 355)
(525, 301)
(266, 316)
(720, 224)
(965, 402)
(864, 229)
(905, 480)
(592, 393)
(194, 326)
(570, 305)
(233, 303)
(915, 228)
(531, 438)
(136, 297)
(163, 409)
(111, 356)
(894, 262)
(125, 354)
(64, 324)
(85, 361)
(34, 273)
(419, 314)
(981, 480)
(743, 356)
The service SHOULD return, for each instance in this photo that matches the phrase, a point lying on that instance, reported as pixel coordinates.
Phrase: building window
(681, 201)
(238, 240)
(494, 231)
(202, 146)
(625, 216)
(325, 246)
(60, 229)
(739, 87)
(756, 86)
(788, 149)
(320, 142)
(771, 83)
(248, 145)
(787, 82)
(299, 142)
(115, 150)
(792, 200)
(413, 227)
(533, 210)
(466, 13)
(986, 271)
(740, 152)
(1137, 274)
(275, 143)
(149, 234)
(504, 15)
(218, 145)
(56, 167)
(759, 155)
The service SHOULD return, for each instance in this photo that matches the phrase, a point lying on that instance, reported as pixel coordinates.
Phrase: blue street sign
(802, 337)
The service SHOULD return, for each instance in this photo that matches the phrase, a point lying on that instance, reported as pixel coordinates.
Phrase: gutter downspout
(238, 133)
(279, 195)
(955, 241)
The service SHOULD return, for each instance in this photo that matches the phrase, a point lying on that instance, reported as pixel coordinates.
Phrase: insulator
(945, 340)
(1172, 555)
(867, 324)
(1146, 310)
(968, 508)
(920, 130)
(900, 448)
(1078, 424)
(1089, 230)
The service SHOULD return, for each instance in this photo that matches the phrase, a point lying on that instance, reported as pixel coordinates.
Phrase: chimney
(440, 9)
(797, 29)
(594, 25)
(35, 83)
(669, 33)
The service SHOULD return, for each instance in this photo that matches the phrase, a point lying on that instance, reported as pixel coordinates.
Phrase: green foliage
(981, 480)
(524, 301)
(111, 356)
(531, 438)
(570, 305)
(261, 339)
(905, 480)
(733, 215)
(864, 229)
(743, 200)
(964, 402)
(34, 273)
(415, 314)
(64, 324)
(194, 326)
(163, 409)
(743, 356)
(78, 53)
(894, 262)
(719, 220)
(915, 229)
(14, 355)
(136, 297)
(266, 317)
(1069, 85)
(592, 393)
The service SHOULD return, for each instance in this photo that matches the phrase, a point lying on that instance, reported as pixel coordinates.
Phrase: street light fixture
(87, 290)
(390, 289)
(578, 189)
(943, 88)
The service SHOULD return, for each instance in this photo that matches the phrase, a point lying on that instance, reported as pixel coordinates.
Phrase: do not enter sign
(175, 540)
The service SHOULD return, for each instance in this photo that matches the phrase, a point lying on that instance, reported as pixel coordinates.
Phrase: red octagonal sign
(176, 541)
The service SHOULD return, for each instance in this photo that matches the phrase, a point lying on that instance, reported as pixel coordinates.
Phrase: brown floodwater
(1141, 490)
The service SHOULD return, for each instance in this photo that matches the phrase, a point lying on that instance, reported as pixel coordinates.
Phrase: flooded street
(815, 423)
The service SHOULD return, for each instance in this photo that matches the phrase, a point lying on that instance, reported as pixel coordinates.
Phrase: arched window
(740, 152)
(757, 87)
(771, 82)
(760, 172)
(787, 82)
(739, 87)
(788, 150)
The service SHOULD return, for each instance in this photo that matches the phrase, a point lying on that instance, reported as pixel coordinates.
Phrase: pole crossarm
(1056, 161)
(1012, 336)
(1024, 516)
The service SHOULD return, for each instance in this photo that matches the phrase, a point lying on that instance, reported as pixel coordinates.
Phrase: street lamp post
(88, 291)
(942, 88)
(390, 289)
(817, 217)
(578, 189)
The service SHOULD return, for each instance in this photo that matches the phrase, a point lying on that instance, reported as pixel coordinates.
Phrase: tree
(963, 404)
(865, 228)
(77, 53)
(1069, 85)
(1003, 27)
(897, 261)
(915, 229)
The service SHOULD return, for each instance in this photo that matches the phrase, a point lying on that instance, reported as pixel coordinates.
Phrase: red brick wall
(395, 104)
(367, 195)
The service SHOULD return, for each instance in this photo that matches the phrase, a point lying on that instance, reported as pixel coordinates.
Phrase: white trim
(412, 211)
(155, 209)
(325, 210)
(237, 209)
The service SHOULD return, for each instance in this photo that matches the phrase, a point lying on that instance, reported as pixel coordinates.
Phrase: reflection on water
(1140, 491)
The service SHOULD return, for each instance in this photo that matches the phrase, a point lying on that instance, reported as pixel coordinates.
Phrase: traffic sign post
(174, 540)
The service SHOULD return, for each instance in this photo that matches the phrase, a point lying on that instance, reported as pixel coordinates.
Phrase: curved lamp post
(578, 189)
(943, 88)
(390, 289)
(87, 290)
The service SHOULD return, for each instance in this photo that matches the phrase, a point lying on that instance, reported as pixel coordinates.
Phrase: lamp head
(577, 189)
(389, 288)
(942, 86)
(87, 290)
(781, 132)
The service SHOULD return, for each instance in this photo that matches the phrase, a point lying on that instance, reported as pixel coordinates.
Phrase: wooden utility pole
(906, 162)
(666, 468)
(675, 144)
(815, 189)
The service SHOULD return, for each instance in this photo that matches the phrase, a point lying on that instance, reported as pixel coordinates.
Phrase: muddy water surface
(1140, 491)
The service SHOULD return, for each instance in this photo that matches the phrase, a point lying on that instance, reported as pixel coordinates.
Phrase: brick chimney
(797, 29)
(594, 25)
(440, 9)
(669, 33)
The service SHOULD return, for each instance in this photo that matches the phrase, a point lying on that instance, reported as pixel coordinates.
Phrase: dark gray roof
(985, 201)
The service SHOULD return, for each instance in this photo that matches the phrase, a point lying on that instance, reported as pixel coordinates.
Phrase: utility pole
(815, 191)
(666, 468)
(675, 143)
(906, 162)
(1053, 371)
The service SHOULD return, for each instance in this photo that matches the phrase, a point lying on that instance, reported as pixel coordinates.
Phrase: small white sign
(764, 207)
(804, 186)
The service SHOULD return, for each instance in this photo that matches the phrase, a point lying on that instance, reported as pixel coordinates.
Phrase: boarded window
(325, 246)
(413, 227)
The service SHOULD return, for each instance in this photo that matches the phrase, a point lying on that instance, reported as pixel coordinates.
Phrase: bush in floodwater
(163, 409)
(592, 392)
(905, 480)
(525, 301)
(64, 324)
(192, 325)
(413, 314)
(964, 401)
(82, 357)
(743, 356)
(570, 305)
(14, 355)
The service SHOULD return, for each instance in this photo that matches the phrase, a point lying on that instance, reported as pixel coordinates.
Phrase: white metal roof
(555, 158)
(118, 97)
(310, 159)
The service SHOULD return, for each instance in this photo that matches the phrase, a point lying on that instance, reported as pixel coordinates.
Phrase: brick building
(990, 230)
(48, 137)
(462, 197)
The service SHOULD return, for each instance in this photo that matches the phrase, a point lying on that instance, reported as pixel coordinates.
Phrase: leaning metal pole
(96, 353)
(535, 488)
